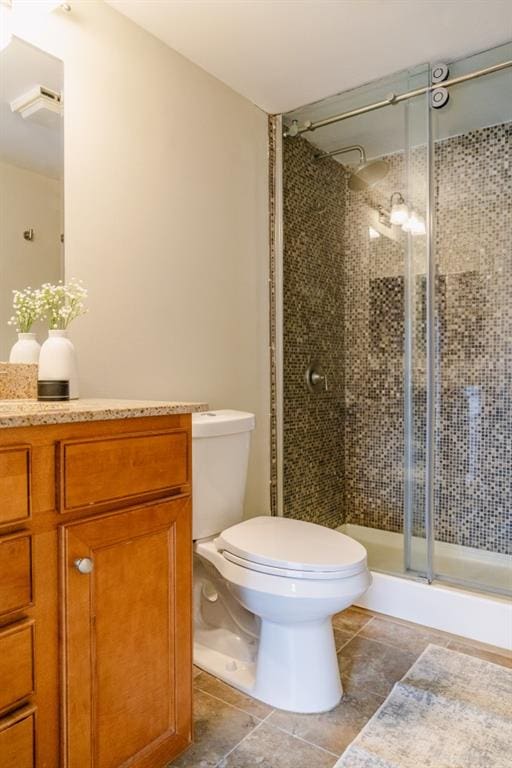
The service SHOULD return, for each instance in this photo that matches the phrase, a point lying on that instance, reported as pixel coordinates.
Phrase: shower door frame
(276, 306)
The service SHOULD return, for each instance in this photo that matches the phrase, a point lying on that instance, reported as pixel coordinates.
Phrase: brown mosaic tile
(474, 256)
(273, 127)
(344, 302)
(313, 322)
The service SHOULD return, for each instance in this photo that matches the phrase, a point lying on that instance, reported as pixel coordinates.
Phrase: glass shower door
(472, 248)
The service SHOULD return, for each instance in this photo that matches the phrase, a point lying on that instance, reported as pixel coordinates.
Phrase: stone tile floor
(233, 730)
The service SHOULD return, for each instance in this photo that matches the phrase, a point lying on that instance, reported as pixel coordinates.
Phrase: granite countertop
(30, 413)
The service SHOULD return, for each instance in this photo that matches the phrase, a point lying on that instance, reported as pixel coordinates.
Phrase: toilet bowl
(265, 589)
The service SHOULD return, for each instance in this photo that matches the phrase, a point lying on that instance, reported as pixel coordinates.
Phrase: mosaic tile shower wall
(313, 297)
(274, 125)
(344, 454)
(474, 258)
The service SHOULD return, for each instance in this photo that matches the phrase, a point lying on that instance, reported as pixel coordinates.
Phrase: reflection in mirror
(31, 176)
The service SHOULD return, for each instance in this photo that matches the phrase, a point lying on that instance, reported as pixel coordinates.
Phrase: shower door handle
(316, 379)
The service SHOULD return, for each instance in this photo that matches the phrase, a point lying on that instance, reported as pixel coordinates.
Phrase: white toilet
(264, 589)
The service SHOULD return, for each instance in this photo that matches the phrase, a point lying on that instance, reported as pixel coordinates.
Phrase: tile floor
(234, 731)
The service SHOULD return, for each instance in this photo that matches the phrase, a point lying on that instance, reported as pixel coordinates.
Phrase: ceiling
(282, 54)
(24, 142)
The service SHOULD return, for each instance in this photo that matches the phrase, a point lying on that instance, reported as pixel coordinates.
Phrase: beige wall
(27, 200)
(166, 222)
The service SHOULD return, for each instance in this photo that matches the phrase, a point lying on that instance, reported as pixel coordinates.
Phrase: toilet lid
(293, 545)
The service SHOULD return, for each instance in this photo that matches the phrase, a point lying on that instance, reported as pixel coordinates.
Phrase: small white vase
(57, 361)
(26, 349)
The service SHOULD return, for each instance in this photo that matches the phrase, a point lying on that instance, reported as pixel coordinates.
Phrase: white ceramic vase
(26, 349)
(57, 361)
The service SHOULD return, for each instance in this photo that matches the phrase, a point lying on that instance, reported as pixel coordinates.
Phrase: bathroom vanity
(95, 583)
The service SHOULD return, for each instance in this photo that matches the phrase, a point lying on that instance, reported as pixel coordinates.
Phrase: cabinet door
(127, 636)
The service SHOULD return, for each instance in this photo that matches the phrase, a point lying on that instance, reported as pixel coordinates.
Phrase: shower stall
(392, 322)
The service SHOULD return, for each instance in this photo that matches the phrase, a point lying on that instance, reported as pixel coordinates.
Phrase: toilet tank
(220, 456)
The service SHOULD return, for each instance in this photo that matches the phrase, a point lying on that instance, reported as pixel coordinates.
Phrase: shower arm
(342, 151)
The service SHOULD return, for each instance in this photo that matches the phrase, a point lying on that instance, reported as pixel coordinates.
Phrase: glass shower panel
(473, 288)
(354, 291)
(417, 546)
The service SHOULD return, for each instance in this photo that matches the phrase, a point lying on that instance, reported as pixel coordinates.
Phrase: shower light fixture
(399, 211)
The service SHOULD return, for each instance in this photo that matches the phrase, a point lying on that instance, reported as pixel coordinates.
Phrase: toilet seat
(293, 574)
(292, 549)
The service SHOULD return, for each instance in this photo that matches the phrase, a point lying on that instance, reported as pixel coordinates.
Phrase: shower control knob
(84, 565)
(316, 380)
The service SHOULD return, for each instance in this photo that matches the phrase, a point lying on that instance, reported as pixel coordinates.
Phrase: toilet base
(297, 668)
(285, 674)
(239, 674)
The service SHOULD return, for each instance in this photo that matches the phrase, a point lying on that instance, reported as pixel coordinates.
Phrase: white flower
(61, 304)
(27, 309)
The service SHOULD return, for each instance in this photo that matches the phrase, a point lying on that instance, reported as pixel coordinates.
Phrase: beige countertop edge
(31, 413)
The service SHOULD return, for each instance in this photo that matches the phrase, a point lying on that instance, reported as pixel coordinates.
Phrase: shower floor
(465, 565)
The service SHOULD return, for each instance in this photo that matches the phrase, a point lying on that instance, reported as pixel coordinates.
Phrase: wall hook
(28, 234)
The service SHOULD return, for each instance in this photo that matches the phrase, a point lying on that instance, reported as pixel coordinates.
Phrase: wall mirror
(31, 175)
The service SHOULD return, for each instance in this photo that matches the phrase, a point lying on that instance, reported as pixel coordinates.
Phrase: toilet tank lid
(224, 422)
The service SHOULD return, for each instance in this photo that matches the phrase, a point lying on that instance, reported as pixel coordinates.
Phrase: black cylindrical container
(52, 391)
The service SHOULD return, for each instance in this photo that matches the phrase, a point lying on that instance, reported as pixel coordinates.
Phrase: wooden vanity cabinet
(95, 594)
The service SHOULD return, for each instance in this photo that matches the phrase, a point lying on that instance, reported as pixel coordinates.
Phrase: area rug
(449, 711)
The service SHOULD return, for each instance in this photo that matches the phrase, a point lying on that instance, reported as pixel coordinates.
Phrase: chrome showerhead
(367, 173)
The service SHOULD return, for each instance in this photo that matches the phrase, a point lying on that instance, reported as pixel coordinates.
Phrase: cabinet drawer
(129, 467)
(14, 484)
(16, 663)
(15, 572)
(17, 739)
